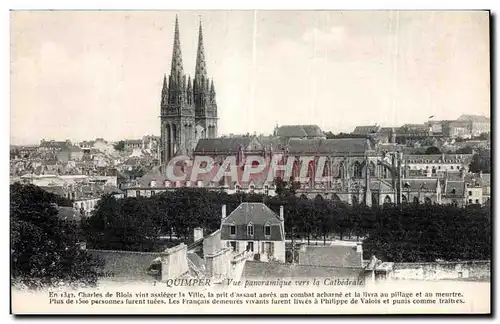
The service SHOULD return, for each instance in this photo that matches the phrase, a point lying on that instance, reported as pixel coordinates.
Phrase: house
(53, 146)
(70, 153)
(130, 145)
(476, 124)
(255, 228)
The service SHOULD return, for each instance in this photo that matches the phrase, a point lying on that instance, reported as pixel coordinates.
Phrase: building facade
(256, 229)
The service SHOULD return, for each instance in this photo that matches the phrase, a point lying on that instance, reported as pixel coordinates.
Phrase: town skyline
(268, 67)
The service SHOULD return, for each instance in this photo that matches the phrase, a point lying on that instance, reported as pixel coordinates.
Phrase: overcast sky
(82, 74)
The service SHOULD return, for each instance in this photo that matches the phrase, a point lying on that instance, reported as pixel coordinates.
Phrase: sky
(80, 75)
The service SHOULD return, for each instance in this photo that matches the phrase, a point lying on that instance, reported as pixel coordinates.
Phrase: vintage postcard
(250, 162)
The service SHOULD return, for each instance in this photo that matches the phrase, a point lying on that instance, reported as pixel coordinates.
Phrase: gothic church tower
(188, 110)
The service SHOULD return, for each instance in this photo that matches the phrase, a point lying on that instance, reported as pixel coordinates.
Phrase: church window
(357, 170)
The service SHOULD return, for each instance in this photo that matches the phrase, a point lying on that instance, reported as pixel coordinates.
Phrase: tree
(481, 162)
(432, 150)
(130, 224)
(284, 188)
(465, 150)
(44, 248)
(120, 146)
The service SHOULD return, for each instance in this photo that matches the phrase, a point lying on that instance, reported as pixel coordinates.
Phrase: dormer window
(177, 184)
(267, 230)
(152, 183)
(250, 229)
(266, 190)
(238, 188)
(199, 183)
(167, 183)
(188, 183)
(252, 188)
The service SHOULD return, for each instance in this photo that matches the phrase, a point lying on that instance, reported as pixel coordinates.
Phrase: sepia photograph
(254, 162)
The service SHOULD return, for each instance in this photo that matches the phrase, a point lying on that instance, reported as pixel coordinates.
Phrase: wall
(174, 262)
(442, 270)
(212, 243)
(218, 265)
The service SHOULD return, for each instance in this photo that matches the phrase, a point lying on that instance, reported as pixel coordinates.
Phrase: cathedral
(188, 107)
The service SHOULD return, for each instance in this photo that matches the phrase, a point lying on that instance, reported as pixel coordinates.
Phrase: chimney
(282, 213)
(223, 212)
(197, 234)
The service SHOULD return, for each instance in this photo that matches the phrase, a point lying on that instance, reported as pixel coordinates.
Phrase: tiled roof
(438, 158)
(365, 130)
(259, 215)
(340, 145)
(197, 261)
(420, 184)
(223, 144)
(299, 131)
(273, 270)
(455, 188)
(330, 256)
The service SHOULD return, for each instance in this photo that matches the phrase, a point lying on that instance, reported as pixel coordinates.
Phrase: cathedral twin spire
(200, 91)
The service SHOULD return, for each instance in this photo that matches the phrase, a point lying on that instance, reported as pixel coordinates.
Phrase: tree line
(45, 249)
(408, 233)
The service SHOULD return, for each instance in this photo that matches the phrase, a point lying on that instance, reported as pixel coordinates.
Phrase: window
(152, 193)
(470, 201)
(137, 193)
(477, 201)
(453, 191)
(267, 230)
(451, 167)
(470, 193)
(232, 230)
(238, 188)
(250, 246)
(266, 190)
(249, 230)
(233, 245)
